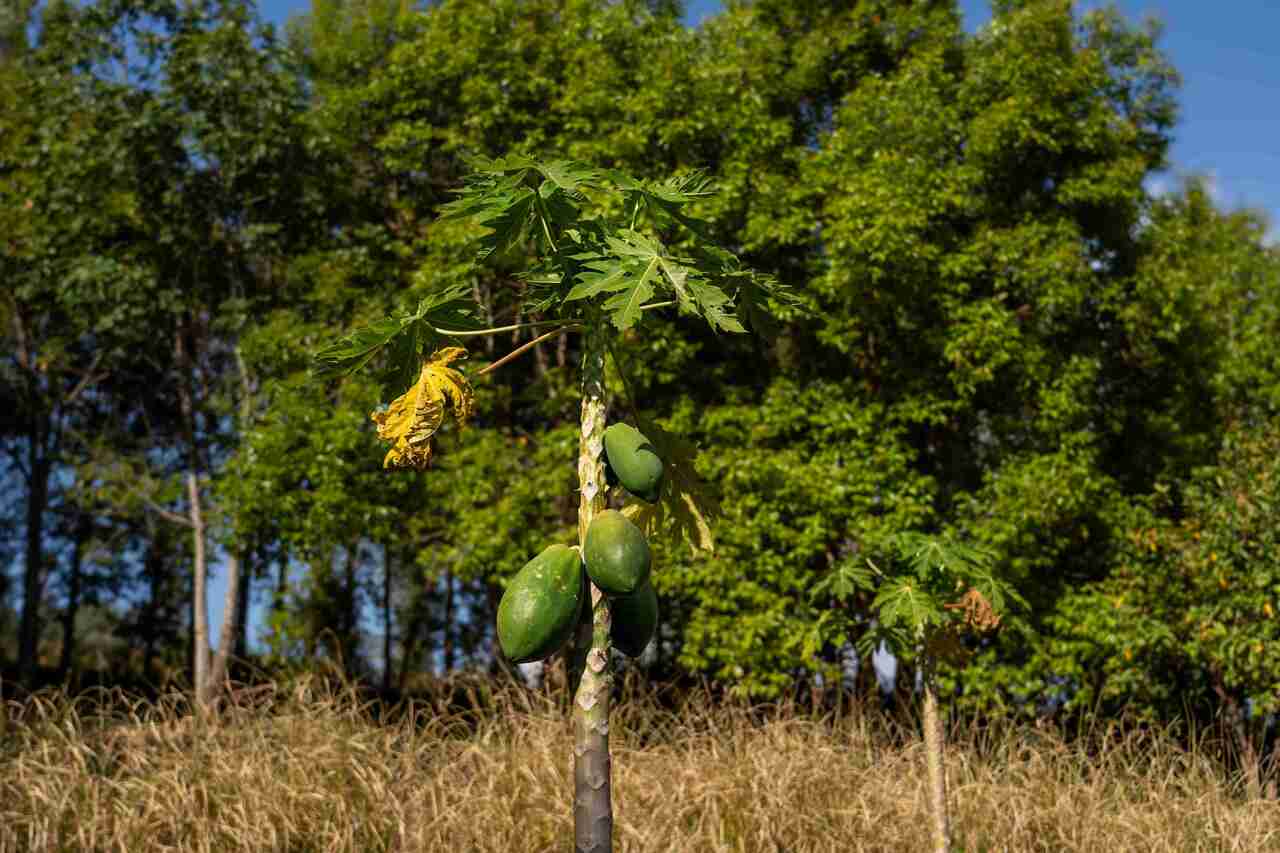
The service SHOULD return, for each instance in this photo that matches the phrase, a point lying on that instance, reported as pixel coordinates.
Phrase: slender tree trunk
(934, 742)
(226, 635)
(33, 570)
(195, 517)
(235, 639)
(591, 678)
(66, 667)
(241, 649)
(199, 612)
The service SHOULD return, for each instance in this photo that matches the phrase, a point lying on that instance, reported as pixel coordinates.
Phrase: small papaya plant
(601, 258)
(933, 593)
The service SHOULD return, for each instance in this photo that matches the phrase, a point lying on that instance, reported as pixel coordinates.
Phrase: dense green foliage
(1002, 338)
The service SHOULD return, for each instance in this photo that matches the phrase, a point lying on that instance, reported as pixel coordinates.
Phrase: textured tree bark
(590, 678)
(933, 743)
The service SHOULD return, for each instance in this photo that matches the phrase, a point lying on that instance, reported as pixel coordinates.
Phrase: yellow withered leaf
(414, 416)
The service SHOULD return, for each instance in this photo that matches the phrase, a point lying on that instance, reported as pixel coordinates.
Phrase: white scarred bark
(591, 679)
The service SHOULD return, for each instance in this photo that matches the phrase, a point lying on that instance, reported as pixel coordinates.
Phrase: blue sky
(1229, 57)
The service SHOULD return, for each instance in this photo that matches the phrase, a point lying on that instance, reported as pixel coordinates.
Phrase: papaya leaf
(930, 557)
(450, 308)
(569, 175)
(556, 206)
(669, 201)
(356, 349)
(403, 359)
(761, 301)
(507, 224)
(634, 244)
(485, 168)
(413, 417)
(484, 195)
(624, 307)
(682, 189)
(686, 508)
(842, 581)
(711, 303)
(403, 338)
(622, 180)
(543, 289)
(606, 275)
(904, 603)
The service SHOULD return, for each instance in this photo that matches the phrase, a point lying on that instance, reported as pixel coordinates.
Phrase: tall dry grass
(309, 768)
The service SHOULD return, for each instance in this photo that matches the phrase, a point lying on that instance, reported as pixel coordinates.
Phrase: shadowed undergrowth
(307, 767)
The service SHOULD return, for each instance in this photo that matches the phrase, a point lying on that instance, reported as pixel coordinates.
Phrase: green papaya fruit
(540, 607)
(634, 461)
(634, 619)
(616, 554)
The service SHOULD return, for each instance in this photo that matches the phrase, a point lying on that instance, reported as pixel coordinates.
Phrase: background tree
(73, 299)
(1010, 340)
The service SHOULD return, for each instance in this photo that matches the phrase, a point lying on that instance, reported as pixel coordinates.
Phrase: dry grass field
(309, 768)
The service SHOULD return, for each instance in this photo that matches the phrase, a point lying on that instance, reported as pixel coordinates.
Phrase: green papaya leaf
(356, 349)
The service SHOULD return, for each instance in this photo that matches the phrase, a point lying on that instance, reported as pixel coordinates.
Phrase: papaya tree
(933, 599)
(600, 250)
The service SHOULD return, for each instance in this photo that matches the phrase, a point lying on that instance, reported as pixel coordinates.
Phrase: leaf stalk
(525, 347)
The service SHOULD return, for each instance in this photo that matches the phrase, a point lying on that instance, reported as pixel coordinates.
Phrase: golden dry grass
(308, 769)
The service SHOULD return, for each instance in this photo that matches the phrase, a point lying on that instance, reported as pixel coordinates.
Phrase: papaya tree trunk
(934, 743)
(590, 679)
